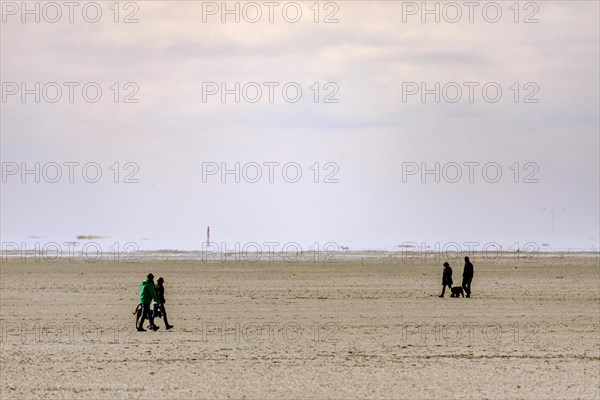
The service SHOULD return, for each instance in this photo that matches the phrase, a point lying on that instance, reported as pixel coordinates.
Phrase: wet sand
(371, 328)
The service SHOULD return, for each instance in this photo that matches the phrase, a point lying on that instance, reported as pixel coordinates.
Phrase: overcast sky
(370, 136)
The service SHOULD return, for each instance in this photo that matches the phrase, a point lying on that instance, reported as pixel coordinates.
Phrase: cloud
(370, 132)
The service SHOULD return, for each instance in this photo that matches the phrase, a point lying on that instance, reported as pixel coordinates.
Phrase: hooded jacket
(147, 292)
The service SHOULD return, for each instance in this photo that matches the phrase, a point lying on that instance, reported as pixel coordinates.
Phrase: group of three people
(148, 293)
(466, 281)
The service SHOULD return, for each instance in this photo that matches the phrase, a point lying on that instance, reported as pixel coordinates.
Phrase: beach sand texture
(370, 328)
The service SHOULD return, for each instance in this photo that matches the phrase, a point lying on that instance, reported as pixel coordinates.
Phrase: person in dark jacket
(467, 276)
(147, 294)
(446, 278)
(160, 293)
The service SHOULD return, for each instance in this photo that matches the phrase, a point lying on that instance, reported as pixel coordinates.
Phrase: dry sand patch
(354, 329)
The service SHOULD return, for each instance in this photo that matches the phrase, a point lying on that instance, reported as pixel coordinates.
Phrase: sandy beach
(356, 328)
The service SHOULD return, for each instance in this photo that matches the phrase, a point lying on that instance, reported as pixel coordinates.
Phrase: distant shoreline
(291, 257)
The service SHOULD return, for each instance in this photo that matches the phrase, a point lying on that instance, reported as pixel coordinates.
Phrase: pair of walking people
(148, 293)
(466, 281)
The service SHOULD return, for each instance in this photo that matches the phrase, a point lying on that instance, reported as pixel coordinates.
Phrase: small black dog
(457, 291)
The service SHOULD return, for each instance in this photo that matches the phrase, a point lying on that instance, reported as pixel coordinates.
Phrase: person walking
(446, 278)
(160, 293)
(467, 277)
(147, 294)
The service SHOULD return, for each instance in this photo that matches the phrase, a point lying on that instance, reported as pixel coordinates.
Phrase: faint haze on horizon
(368, 134)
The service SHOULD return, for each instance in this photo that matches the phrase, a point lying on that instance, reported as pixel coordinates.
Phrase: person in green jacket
(147, 294)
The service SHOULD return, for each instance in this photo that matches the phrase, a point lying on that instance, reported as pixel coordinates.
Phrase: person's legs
(467, 286)
(443, 290)
(142, 317)
(164, 313)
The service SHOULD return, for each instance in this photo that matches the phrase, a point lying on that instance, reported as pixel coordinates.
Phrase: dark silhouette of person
(160, 293)
(467, 276)
(446, 278)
